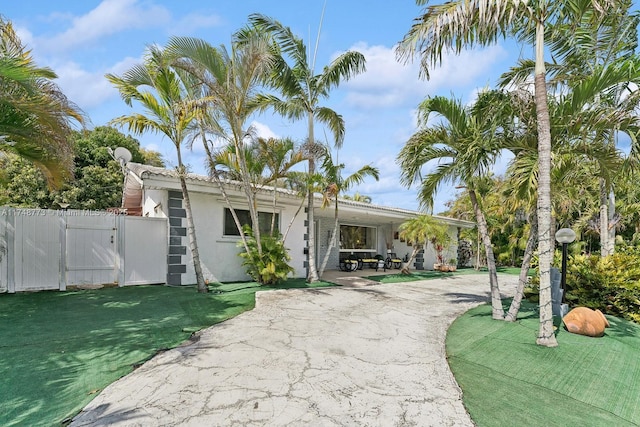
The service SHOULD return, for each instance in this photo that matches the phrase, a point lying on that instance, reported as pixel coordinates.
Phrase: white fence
(45, 249)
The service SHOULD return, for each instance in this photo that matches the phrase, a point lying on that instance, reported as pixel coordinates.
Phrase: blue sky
(82, 40)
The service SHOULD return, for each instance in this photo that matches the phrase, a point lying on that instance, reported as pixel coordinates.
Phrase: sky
(82, 40)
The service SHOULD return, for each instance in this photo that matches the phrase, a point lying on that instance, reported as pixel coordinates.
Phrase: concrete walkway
(360, 355)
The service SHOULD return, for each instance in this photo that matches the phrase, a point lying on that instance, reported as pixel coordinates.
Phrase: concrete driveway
(366, 354)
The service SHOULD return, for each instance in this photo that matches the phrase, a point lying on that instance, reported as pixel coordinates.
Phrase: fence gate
(90, 255)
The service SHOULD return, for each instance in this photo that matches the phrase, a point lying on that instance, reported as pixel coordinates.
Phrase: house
(365, 229)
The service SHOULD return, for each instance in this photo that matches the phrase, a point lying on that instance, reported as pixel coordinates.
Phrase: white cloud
(263, 131)
(109, 17)
(388, 83)
(89, 89)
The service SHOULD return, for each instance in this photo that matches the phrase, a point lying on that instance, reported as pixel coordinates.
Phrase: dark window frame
(229, 228)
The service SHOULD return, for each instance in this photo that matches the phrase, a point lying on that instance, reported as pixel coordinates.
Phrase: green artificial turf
(59, 349)
(416, 275)
(507, 380)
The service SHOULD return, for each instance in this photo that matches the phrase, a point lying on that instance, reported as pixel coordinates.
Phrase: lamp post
(564, 236)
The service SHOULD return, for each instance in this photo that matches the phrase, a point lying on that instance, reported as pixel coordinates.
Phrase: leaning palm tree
(465, 147)
(335, 184)
(302, 91)
(159, 89)
(460, 24)
(35, 116)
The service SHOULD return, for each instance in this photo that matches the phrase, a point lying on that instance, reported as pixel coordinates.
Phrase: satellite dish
(122, 155)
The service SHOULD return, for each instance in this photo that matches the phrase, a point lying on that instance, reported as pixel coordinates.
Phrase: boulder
(585, 321)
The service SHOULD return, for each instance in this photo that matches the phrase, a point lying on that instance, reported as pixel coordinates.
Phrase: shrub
(610, 284)
(271, 267)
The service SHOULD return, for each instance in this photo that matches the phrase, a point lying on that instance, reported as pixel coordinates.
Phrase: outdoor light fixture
(564, 236)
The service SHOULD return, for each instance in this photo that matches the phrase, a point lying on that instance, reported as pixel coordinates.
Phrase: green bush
(271, 267)
(610, 284)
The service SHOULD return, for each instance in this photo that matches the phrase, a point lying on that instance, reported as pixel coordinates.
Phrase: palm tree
(279, 156)
(585, 45)
(301, 91)
(460, 24)
(159, 89)
(35, 116)
(421, 230)
(227, 84)
(465, 148)
(336, 184)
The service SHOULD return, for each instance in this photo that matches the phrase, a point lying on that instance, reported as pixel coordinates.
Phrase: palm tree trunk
(497, 312)
(405, 268)
(611, 225)
(546, 335)
(225, 196)
(295, 215)
(332, 244)
(604, 219)
(512, 315)
(312, 274)
(191, 230)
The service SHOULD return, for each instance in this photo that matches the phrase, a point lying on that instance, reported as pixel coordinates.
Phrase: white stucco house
(365, 229)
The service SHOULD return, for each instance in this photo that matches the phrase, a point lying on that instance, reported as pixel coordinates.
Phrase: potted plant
(453, 264)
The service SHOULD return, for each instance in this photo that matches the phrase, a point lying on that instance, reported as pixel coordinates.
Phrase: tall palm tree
(465, 147)
(301, 92)
(461, 24)
(35, 116)
(583, 45)
(335, 184)
(160, 91)
(228, 80)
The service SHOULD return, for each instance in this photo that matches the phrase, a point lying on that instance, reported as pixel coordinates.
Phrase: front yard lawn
(507, 380)
(59, 349)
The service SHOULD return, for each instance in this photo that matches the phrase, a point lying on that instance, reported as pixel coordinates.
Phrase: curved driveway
(361, 355)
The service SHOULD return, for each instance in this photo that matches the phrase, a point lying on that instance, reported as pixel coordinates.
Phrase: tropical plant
(301, 91)
(158, 88)
(460, 24)
(357, 197)
(267, 266)
(465, 147)
(35, 116)
(280, 156)
(611, 283)
(420, 231)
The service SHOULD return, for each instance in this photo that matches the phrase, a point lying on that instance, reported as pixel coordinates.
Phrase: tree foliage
(36, 118)
(97, 180)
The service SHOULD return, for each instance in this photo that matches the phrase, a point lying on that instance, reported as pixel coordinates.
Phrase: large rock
(584, 321)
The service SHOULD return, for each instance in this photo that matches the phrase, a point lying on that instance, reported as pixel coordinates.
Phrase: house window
(264, 219)
(354, 237)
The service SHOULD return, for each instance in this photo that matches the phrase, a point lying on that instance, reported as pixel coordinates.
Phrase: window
(264, 219)
(355, 237)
